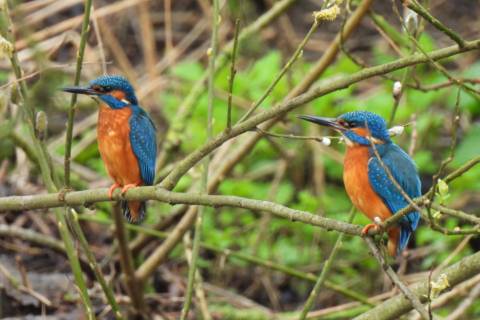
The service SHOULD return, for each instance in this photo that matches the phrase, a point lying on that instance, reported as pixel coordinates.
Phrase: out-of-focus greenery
(302, 246)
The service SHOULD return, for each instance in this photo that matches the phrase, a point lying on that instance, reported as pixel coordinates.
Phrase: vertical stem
(134, 287)
(93, 265)
(323, 275)
(233, 71)
(74, 262)
(285, 68)
(73, 101)
(198, 223)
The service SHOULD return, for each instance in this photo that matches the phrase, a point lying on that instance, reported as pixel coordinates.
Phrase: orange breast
(114, 145)
(355, 178)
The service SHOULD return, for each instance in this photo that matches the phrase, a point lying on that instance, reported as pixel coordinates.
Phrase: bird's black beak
(80, 90)
(327, 122)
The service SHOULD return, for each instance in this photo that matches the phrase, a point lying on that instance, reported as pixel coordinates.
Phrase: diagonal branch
(395, 307)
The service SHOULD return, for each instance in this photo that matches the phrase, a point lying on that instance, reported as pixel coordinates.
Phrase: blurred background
(161, 47)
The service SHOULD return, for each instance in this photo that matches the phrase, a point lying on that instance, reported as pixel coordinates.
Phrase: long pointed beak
(327, 122)
(80, 90)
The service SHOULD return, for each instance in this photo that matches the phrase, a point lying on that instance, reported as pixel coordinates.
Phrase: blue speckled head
(115, 82)
(364, 119)
(353, 126)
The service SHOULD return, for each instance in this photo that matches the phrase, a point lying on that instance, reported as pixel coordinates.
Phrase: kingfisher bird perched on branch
(126, 138)
(367, 182)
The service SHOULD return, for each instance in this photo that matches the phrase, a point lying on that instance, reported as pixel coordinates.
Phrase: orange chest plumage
(113, 135)
(357, 184)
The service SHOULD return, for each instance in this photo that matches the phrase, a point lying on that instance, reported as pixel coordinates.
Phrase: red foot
(368, 227)
(128, 186)
(112, 189)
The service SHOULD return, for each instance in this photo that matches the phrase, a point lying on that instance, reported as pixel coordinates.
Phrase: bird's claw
(112, 189)
(367, 228)
(127, 187)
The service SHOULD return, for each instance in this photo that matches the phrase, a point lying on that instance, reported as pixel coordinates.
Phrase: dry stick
(117, 51)
(44, 163)
(231, 79)
(98, 35)
(393, 276)
(134, 287)
(204, 185)
(14, 282)
(417, 7)
(148, 37)
(76, 81)
(71, 23)
(167, 11)
(326, 268)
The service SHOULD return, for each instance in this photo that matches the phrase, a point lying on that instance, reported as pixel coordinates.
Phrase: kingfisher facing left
(366, 181)
(126, 138)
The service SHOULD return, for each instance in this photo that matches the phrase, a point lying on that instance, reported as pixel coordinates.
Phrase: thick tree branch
(399, 305)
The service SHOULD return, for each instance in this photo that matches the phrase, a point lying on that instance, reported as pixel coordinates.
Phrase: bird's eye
(345, 124)
(107, 88)
(98, 88)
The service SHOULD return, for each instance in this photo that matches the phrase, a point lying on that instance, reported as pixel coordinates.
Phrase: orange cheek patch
(119, 95)
(361, 132)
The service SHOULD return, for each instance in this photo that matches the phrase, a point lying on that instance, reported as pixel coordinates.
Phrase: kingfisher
(366, 181)
(126, 137)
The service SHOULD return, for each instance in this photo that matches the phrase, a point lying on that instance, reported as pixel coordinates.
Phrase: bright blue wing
(144, 144)
(405, 173)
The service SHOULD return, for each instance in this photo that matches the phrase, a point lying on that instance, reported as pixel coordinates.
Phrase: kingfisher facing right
(366, 182)
(126, 138)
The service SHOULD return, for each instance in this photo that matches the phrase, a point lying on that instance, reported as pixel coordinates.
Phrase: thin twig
(418, 8)
(282, 72)
(326, 268)
(134, 286)
(76, 81)
(292, 136)
(393, 276)
(233, 71)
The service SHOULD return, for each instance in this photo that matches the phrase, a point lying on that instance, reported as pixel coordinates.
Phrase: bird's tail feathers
(407, 225)
(134, 211)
